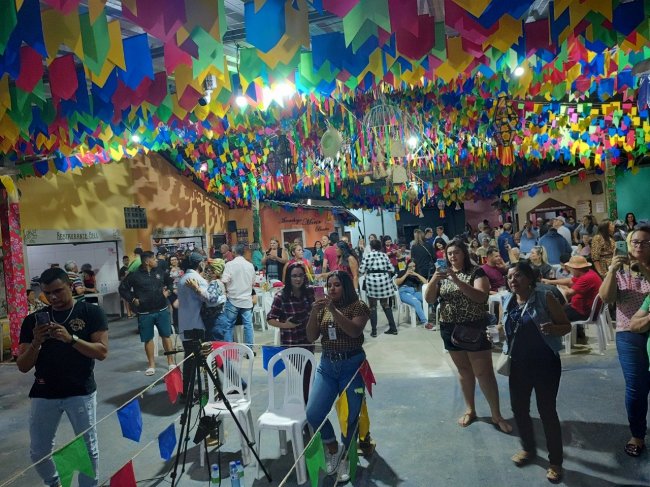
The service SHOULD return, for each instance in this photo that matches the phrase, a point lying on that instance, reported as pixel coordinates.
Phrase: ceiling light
(519, 71)
(309, 201)
(135, 138)
(412, 141)
(284, 90)
(204, 167)
(241, 101)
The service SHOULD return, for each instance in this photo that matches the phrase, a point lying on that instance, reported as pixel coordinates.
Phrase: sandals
(150, 371)
(522, 458)
(554, 474)
(466, 419)
(502, 425)
(633, 449)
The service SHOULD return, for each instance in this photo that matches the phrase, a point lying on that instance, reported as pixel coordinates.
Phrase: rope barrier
(139, 394)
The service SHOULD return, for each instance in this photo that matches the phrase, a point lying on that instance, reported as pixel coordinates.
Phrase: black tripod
(205, 424)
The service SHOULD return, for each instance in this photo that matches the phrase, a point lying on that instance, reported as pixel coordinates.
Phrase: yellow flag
(343, 412)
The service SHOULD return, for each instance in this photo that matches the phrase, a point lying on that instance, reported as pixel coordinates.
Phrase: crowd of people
(547, 275)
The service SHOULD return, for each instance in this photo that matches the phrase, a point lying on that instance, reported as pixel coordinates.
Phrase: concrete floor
(416, 403)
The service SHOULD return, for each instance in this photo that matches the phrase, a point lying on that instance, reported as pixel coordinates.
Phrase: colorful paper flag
(267, 353)
(124, 477)
(343, 412)
(367, 376)
(174, 384)
(167, 442)
(131, 420)
(73, 457)
(315, 458)
(353, 456)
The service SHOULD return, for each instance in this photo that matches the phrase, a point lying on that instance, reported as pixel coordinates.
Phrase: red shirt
(496, 277)
(332, 258)
(586, 289)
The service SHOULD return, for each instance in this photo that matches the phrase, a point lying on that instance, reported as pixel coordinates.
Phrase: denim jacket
(537, 310)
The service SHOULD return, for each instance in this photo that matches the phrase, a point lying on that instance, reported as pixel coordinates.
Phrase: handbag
(470, 335)
(209, 314)
(505, 360)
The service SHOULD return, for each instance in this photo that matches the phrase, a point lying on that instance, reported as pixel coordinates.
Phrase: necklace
(66, 318)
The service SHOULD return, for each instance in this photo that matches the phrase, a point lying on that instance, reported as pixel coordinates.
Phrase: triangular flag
(167, 442)
(174, 384)
(131, 420)
(364, 420)
(353, 456)
(343, 412)
(368, 376)
(315, 458)
(71, 457)
(267, 353)
(124, 477)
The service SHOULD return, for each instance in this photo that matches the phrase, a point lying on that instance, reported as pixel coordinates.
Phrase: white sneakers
(333, 460)
(338, 465)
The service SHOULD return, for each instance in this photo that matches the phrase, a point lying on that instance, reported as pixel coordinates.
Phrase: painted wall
(371, 222)
(315, 224)
(477, 211)
(95, 197)
(632, 193)
(569, 195)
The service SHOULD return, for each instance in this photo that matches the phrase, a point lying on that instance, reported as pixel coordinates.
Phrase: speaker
(232, 226)
(596, 187)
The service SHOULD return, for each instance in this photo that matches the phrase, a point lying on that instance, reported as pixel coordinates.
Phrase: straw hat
(577, 262)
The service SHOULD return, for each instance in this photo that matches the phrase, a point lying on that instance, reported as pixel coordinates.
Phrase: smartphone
(441, 265)
(319, 292)
(621, 247)
(42, 318)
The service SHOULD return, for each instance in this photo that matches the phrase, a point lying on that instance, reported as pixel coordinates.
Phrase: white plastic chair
(405, 308)
(237, 360)
(597, 318)
(289, 416)
(259, 316)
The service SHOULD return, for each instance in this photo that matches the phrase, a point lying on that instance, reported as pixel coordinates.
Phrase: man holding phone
(61, 343)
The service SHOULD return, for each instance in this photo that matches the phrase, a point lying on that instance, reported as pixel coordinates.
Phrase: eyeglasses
(640, 243)
(297, 276)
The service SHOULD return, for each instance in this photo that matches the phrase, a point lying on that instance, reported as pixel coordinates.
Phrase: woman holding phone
(463, 289)
(602, 247)
(339, 320)
(626, 284)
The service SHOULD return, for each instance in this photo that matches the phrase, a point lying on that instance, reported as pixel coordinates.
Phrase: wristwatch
(75, 339)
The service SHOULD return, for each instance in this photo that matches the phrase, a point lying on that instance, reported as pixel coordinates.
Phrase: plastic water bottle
(214, 474)
(240, 471)
(234, 475)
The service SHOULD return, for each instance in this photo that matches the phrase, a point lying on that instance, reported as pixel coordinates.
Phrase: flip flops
(634, 450)
(150, 371)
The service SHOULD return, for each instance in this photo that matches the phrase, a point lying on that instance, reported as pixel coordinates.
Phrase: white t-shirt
(239, 277)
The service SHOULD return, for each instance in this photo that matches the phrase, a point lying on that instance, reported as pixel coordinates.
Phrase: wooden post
(14, 267)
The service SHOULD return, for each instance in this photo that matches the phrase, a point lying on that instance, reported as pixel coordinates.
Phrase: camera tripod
(205, 424)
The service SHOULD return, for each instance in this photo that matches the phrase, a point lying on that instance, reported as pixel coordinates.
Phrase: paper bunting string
(315, 459)
(267, 353)
(124, 477)
(130, 418)
(174, 384)
(73, 457)
(368, 377)
(167, 442)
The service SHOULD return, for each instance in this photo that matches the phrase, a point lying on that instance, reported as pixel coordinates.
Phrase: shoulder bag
(432, 263)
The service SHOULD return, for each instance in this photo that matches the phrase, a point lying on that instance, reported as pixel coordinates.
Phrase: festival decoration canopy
(84, 82)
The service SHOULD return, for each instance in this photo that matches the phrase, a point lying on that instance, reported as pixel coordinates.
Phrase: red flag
(367, 375)
(125, 477)
(174, 383)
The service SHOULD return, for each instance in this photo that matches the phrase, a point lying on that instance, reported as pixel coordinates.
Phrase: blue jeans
(223, 328)
(331, 378)
(633, 356)
(413, 298)
(44, 420)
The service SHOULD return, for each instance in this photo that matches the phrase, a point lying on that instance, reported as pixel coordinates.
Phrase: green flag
(315, 458)
(71, 457)
(354, 458)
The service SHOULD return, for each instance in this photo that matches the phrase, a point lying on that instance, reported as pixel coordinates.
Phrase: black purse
(470, 335)
(209, 314)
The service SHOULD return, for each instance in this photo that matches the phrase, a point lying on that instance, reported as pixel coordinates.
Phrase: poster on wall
(583, 208)
(178, 239)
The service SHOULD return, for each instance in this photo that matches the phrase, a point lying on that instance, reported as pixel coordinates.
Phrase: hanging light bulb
(308, 201)
(135, 138)
(412, 141)
(519, 71)
(241, 101)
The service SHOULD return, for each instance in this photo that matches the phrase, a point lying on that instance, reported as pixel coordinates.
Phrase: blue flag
(131, 420)
(267, 354)
(167, 442)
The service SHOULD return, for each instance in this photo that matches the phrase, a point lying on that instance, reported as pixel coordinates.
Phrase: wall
(632, 193)
(477, 211)
(453, 222)
(172, 200)
(314, 223)
(244, 219)
(569, 195)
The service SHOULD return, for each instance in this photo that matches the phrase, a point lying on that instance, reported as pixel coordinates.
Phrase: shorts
(446, 329)
(161, 319)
